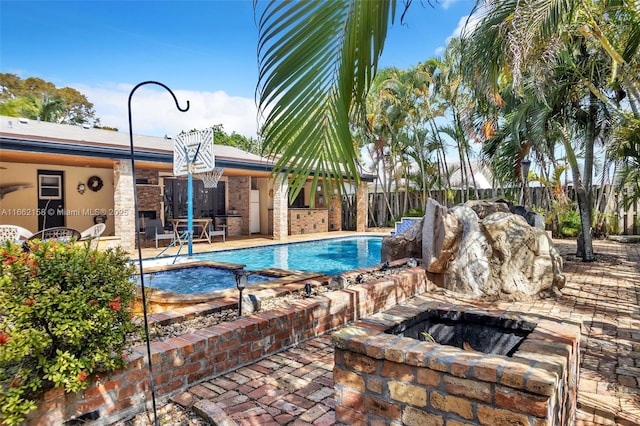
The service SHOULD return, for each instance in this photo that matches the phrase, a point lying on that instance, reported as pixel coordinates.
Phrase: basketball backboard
(194, 149)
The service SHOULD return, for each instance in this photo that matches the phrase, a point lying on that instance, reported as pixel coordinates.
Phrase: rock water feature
(432, 362)
(482, 249)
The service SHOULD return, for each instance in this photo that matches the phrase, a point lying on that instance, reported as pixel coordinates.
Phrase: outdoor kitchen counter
(233, 222)
(308, 221)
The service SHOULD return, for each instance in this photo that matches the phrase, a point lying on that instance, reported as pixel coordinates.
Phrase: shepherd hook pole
(139, 240)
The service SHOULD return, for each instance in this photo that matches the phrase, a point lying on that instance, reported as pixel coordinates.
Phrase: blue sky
(203, 50)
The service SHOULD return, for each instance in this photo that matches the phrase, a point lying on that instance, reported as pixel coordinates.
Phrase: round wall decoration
(95, 183)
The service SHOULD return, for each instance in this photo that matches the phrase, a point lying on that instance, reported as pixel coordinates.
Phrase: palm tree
(314, 79)
(559, 49)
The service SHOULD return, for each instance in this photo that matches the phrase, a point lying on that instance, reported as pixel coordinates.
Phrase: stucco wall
(20, 207)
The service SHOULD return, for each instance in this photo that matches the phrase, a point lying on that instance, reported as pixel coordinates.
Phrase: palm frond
(316, 63)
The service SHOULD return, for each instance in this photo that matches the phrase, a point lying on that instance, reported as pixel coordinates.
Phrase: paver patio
(296, 387)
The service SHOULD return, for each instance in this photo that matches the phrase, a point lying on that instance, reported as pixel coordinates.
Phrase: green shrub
(569, 221)
(414, 213)
(65, 311)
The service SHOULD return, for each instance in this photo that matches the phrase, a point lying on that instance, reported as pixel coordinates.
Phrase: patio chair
(213, 231)
(14, 233)
(61, 233)
(154, 231)
(92, 234)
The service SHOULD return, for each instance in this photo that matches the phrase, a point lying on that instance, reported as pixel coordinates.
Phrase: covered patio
(73, 176)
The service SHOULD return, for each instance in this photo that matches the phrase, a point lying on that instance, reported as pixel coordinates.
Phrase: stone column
(335, 212)
(280, 208)
(362, 207)
(124, 208)
(239, 199)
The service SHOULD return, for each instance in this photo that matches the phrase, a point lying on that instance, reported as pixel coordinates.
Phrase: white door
(254, 212)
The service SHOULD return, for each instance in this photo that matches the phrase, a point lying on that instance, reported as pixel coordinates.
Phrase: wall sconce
(242, 278)
(81, 188)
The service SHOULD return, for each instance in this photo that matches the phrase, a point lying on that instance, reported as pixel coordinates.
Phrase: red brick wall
(183, 361)
(149, 195)
(335, 213)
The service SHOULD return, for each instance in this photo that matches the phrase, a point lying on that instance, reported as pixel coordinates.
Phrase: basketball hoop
(211, 177)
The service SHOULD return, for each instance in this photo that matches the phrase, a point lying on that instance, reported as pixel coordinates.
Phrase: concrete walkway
(295, 387)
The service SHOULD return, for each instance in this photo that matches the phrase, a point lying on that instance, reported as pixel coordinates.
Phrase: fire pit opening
(466, 330)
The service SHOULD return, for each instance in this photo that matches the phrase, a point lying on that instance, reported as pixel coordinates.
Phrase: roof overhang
(35, 150)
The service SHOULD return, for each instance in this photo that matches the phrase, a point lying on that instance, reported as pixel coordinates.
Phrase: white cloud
(466, 25)
(447, 3)
(154, 111)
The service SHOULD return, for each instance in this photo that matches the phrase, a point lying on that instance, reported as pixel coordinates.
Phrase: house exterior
(65, 175)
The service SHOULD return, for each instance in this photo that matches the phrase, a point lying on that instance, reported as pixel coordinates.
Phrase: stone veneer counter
(308, 221)
(233, 224)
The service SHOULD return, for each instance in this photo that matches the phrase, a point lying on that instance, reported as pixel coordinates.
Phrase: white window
(50, 187)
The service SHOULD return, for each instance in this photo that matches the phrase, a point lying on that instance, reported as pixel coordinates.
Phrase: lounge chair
(92, 234)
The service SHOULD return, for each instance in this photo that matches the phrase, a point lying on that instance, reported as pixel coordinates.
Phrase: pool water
(329, 257)
(197, 279)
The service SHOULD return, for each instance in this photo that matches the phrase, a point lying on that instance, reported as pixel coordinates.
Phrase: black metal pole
(139, 241)
(240, 302)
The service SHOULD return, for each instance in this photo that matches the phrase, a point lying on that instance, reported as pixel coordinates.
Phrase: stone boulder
(441, 233)
(503, 257)
(485, 251)
(403, 245)
(484, 208)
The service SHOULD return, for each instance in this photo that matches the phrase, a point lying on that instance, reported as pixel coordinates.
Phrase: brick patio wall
(335, 213)
(149, 194)
(181, 362)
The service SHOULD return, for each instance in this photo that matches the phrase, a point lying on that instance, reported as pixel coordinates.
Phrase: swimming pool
(330, 257)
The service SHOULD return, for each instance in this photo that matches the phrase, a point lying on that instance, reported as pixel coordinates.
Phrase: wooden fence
(624, 221)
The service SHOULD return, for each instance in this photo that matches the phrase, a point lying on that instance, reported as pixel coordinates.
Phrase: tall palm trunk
(585, 193)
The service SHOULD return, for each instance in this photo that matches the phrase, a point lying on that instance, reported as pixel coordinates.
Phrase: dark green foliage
(65, 311)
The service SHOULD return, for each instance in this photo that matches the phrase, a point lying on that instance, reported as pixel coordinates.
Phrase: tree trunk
(585, 192)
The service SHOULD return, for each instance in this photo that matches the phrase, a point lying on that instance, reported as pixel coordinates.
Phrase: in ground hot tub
(486, 367)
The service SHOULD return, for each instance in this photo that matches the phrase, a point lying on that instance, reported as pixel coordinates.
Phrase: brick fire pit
(381, 377)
